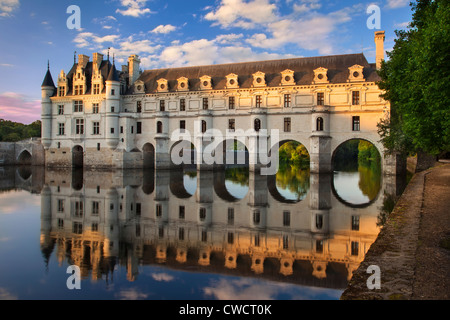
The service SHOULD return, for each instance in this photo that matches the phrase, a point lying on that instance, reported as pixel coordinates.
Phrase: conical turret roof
(113, 76)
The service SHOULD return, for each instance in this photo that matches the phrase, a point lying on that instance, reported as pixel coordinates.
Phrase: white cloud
(132, 294)
(243, 14)
(93, 41)
(135, 8)
(7, 7)
(402, 25)
(164, 29)
(393, 4)
(306, 6)
(162, 277)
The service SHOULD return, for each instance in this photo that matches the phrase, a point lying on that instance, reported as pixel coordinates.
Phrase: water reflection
(289, 228)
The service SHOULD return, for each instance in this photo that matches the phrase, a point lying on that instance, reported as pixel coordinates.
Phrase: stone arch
(78, 157)
(183, 154)
(24, 158)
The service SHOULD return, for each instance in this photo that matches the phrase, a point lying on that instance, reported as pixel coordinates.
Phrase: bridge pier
(321, 154)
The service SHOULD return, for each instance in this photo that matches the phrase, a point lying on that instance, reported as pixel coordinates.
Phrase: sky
(175, 33)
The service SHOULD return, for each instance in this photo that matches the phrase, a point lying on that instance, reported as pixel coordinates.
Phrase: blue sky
(176, 33)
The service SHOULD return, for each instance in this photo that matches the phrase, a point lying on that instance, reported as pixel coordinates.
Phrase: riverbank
(413, 248)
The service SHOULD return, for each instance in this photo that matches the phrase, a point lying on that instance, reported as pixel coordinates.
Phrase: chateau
(96, 116)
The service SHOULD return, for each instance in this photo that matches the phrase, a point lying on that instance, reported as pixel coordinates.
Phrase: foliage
(416, 80)
(293, 153)
(13, 131)
(294, 178)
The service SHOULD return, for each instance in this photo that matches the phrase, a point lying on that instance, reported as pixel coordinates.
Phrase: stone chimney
(97, 58)
(83, 61)
(133, 68)
(379, 42)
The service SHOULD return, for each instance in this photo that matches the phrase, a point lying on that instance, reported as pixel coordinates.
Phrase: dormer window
(321, 75)
(287, 78)
(163, 85)
(356, 73)
(183, 84)
(205, 83)
(232, 81)
(139, 87)
(259, 79)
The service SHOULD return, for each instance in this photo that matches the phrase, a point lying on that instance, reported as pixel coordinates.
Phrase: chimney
(97, 59)
(83, 60)
(379, 42)
(133, 68)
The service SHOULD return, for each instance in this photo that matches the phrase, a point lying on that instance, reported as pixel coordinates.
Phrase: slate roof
(105, 68)
(303, 72)
(48, 80)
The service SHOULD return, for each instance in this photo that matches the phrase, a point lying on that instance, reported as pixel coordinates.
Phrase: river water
(187, 235)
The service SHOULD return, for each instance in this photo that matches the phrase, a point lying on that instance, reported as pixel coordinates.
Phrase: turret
(48, 90)
(112, 108)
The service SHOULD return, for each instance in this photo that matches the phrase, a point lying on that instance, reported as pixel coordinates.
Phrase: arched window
(257, 125)
(159, 127)
(319, 124)
(204, 126)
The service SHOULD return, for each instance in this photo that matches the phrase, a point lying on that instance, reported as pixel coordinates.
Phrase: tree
(416, 80)
(13, 131)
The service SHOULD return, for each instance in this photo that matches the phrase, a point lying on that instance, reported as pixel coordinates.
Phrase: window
(319, 246)
(62, 130)
(205, 103)
(355, 223)
(77, 228)
(138, 209)
(113, 92)
(60, 224)
(162, 105)
(231, 103)
(76, 90)
(257, 240)
(60, 110)
(79, 209)
(98, 146)
(60, 206)
(96, 128)
(232, 125)
(139, 107)
(230, 216)
(181, 234)
(355, 248)
(79, 126)
(182, 125)
(256, 217)
(78, 106)
(356, 124)
(181, 212)
(320, 99)
(258, 101)
(138, 127)
(230, 238)
(159, 127)
(287, 124)
(61, 91)
(286, 218)
(158, 211)
(95, 108)
(287, 100)
(112, 131)
(202, 214)
(182, 104)
(319, 222)
(257, 125)
(356, 98)
(96, 88)
(204, 236)
(319, 126)
(204, 126)
(285, 242)
(95, 208)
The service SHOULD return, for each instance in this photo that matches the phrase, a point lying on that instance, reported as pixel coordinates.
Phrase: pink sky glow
(19, 108)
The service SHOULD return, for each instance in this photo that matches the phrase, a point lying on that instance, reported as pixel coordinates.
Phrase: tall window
(182, 125)
(96, 128)
(356, 98)
(205, 103)
(231, 103)
(138, 127)
(79, 209)
(60, 205)
(202, 214)
(286, 218)
(256, 217)
(61, 91)
(61, 110)
(95, 208)
(159, 127)
(319, 124)
(78, 106)
(232, 125)
(287, 124)
(96, 88)
(204, 126)
(95, 108)
(287, 100)
(162, 105)
(355, 223)
(319, 222)
(79, 126)
(181, 212)
(182, 104)
(62, 130)
(257, 125)
(355, 248)
(230, 216)
(320, 99)
(258, 101)
(158, 211)
(356, 124)
(139, 107)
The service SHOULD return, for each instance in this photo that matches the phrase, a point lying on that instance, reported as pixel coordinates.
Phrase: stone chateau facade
(98, 117)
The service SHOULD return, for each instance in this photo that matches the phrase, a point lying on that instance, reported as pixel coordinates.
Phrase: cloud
(6, 65)
(6, 295)
(393, 4)
(132, 294)
(19, 108)
(91, 40)
(135, 8)
(164, 29)
(402, 25)
(162, 277)
(243, 14)
(7, 7)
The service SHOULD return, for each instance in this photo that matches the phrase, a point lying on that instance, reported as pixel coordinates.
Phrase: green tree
(13, 131)
(416, 80)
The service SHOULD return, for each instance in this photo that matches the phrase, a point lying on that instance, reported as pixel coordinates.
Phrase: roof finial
(114, 58)
(48, 64)
(75, 57)
(108, 52)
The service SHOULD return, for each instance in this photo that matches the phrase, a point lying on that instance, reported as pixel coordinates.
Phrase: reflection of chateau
(99, 219)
